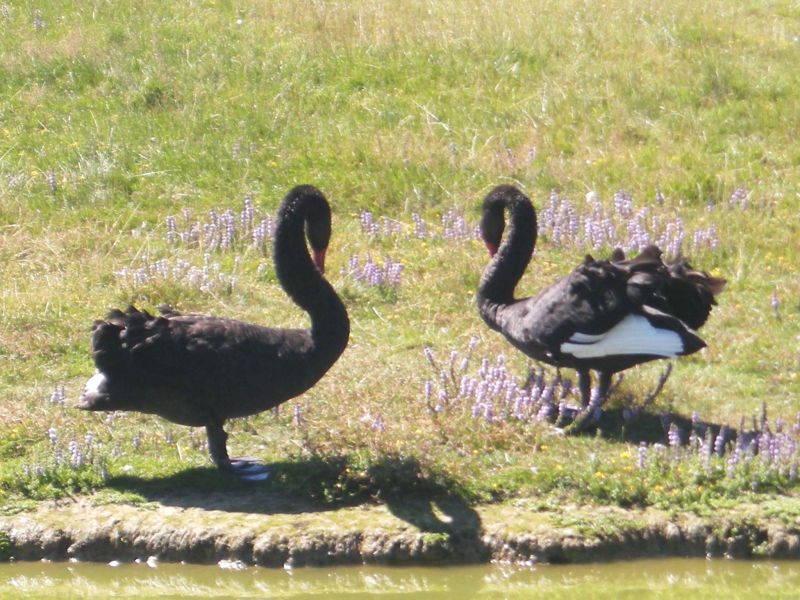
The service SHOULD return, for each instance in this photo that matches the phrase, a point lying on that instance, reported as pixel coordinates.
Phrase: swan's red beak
(319, 260)
(492, 248)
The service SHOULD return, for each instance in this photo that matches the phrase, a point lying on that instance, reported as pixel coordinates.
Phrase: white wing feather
(633, 335)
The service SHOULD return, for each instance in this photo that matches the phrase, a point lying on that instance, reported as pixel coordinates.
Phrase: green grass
(137, 111)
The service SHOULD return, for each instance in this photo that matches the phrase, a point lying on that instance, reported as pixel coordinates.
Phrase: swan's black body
(201, 370)
(605, 316)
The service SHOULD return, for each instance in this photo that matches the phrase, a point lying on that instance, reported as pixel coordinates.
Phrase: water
(640, 580)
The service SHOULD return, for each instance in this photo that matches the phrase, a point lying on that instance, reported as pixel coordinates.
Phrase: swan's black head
(308, 202)
(493, 220)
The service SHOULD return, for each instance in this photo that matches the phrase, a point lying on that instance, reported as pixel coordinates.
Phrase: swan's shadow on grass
(454, 526)
(318, 485)
(617, 424)
(208, 488)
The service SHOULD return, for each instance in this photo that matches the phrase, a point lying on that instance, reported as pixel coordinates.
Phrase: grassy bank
(132, 135)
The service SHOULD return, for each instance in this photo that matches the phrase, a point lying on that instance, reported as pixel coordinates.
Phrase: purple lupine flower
(420, 227)
(172, 235)
(38, 21)
(261, 234)
(452, 365)
(467, 387)
(247, 216)
(370, 273)
(674, 436)
(373, 274)
(378, 424)
(694, 440)
(429, 356)
(52, 434)
(545, 412)
(476, 409)
(298, 418)
(367, 222)
(733, 460)
(208, 279)
(623, 204)
(390, 226)
(706, 449)
(52, 182)
(58, 396)
(455, 226)
(493, 393)
(393, 271)
(641, 458)
(445, 379)
(776, 304)
(75, 454)
(764, 443)
(739, 199)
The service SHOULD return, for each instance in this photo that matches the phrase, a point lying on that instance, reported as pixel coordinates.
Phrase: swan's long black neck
(496, 288)
(302, 281)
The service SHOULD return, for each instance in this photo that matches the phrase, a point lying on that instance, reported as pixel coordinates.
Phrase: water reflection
(640, 580)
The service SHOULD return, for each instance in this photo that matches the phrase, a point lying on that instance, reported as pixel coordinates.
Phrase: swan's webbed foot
(249, 470)
(245, 469)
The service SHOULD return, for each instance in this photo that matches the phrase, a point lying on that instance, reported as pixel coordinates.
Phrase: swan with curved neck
(200, 370)
(605, 316)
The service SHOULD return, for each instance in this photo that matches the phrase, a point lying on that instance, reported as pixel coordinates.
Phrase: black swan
(200, 370)
(605, 316)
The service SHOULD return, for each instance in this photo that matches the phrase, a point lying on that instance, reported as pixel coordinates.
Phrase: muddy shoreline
(211, 529)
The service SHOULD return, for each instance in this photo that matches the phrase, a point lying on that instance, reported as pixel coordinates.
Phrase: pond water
(640, 580)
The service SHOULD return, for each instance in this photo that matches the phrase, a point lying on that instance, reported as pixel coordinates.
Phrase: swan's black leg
(603, 385)
(590, 404)
(218, 447)
(246, 469)
(585, 387)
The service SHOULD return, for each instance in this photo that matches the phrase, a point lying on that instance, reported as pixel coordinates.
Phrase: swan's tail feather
(674, 287)
(647, 274)
(121, 335)
(122, 345)
(690, 293)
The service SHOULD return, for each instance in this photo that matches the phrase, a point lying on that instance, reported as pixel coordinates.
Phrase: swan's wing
(191, 351)
(591, 300)
(596, 312)
(650, 333)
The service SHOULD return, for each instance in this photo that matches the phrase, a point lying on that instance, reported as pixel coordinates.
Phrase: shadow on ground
(620, 425)
(316, 485)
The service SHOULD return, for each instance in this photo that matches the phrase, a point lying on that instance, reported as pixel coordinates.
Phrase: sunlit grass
(114, 119)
